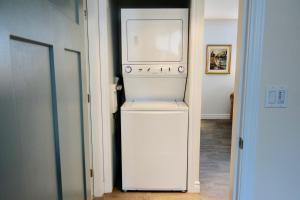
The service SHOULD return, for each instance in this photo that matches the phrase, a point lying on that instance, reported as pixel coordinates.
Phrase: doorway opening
(116, 71)
(115, 10)
(218, 77)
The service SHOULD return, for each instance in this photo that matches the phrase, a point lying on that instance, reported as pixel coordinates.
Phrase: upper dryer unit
(151, 36)
(154, 53)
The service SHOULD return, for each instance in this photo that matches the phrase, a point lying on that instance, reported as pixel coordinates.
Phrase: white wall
(277, 166)
(221, 9)
(216, 88)
(193, 92)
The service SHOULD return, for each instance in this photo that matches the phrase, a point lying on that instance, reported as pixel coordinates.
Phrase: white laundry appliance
(154, 118)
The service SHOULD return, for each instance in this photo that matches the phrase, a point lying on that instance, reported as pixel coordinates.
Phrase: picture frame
(218, 59)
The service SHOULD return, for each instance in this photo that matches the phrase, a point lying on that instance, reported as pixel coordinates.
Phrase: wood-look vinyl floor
(214, 168)
(118, 195)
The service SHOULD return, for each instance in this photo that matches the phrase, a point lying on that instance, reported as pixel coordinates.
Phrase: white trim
(108, 129)
(90, 183)
(215, 116)
(193, 91)
(96, 98)
(247, 91)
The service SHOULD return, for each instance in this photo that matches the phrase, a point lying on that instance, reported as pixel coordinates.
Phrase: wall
(218, 87)
(193, 91)
(221, 9)
(277, 174)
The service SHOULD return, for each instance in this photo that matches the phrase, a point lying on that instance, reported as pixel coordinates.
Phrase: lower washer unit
(154, 146)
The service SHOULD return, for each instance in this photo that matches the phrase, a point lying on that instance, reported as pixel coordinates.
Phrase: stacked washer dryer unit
(154, 117)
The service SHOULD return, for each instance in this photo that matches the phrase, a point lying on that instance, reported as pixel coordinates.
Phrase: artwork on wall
(218, 59)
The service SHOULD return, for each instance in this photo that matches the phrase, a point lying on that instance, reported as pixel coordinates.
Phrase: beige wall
(277, 174)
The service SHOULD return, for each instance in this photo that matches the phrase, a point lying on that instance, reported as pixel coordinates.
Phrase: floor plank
(118, 195)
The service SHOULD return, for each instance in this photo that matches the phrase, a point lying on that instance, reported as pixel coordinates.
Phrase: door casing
(251, 29)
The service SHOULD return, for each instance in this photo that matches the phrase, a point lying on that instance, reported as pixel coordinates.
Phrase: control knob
(128, 69)
(180, 69)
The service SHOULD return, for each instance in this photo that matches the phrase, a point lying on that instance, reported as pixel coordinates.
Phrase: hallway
(215, 158)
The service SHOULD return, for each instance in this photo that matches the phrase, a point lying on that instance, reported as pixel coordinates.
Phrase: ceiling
(221, 9)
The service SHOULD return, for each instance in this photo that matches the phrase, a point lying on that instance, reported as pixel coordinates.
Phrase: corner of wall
(193, 96)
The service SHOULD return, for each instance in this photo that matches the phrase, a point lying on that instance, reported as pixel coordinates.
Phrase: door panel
(71, 128)
(30, 65)
(44, 135)
(69, 8)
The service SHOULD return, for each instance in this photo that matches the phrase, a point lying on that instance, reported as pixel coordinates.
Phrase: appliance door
(154, 40)
(154, 150)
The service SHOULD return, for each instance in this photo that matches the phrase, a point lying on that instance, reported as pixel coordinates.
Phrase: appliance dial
(128, 69)
(180, 69)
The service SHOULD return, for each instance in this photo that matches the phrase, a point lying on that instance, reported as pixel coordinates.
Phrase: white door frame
(247, 97)
(100, 86)
(95, 97)
(246, 104)
(193, 92)
(106, 84)
(89, 117)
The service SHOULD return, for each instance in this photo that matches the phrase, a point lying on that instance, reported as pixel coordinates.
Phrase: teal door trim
(55, 124)
(81, 119)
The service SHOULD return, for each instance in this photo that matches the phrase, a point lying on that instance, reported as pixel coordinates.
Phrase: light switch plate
(276, 97)
(282, 97)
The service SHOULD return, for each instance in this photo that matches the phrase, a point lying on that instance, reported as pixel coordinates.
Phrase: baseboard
(195, 188)
(215, 116)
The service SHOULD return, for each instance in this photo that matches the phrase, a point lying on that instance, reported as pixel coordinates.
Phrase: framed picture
(218, 59)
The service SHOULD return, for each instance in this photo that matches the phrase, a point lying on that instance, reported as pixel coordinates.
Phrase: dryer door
(154, 150)
(155, 40)
(151, 36)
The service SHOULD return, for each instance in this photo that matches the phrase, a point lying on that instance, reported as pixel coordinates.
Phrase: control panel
(154, 70)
